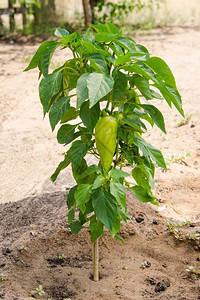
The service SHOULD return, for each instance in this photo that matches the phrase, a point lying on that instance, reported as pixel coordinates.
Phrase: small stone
(145, 264)
(2, 295)
(164, 265)
(6, 251)
(148, 264)
(151, 280)
(118, 293)
(160, 287)
(69, 274)
(139, 219)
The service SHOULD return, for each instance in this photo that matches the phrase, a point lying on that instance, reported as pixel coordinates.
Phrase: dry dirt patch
(39, 224)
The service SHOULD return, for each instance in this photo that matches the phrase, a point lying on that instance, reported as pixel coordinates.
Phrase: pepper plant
(101, 100)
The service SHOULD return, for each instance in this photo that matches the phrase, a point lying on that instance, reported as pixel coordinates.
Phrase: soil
(33, 225)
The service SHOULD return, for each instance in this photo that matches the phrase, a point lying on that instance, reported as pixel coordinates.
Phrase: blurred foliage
(104, 10)
(45, 19)
(27, 3)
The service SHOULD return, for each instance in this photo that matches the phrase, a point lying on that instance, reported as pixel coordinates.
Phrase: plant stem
(95, 259)
(107, 105)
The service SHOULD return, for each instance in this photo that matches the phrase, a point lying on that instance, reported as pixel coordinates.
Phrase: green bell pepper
(106, 137)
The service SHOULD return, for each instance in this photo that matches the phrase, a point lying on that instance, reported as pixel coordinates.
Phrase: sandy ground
(30, 154)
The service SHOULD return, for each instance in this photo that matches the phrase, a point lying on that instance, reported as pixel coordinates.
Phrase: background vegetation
(46, 15)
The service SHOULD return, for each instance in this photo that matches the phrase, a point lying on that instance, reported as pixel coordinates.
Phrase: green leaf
(82, 218)
(37, 57)
(77, 173)
(76, 227)
(90, 170)
(89, 207)
(46, 57)
(54, 99)
(116, 226)
(112, 28)
(100, 28)
(128, 57)
(98, 182)
(141, 49)
(142, 195)
(81, 89)
(156, 95)
(144, 116)
(90, 48)
(156, 116)
(150, 167)
(123, 58)
(124, 214)
(82, 195)
(69, 115)
(129, 155)
(77, 151)
(120, 85)
(170, 94)
(143, 86)
(66, 134)
(160, 67)
(61, 32)
(71, 38)
(116, 49)
(96, 228)
(105, 207)
(119, 192)
(106, 37)
(70, 76)
(142, 69)
(125, 43)
(99, 85)
(58, 110)
(150, 151)
(120, 238)
(98, 62)
(62, 165)
(143, 177)
(71, 215)
(49, 86)
(87, 36)
(70, 197)
(135, 123)
(117, 174)
(89, 116)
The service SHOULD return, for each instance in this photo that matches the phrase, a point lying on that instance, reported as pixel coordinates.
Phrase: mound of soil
(151, 265)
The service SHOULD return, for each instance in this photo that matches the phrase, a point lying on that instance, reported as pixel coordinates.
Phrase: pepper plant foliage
(108, 76)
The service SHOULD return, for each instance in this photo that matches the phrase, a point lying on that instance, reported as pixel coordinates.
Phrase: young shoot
(38, 291)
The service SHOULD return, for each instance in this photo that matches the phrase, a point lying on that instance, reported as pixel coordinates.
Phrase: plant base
(95, 259)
